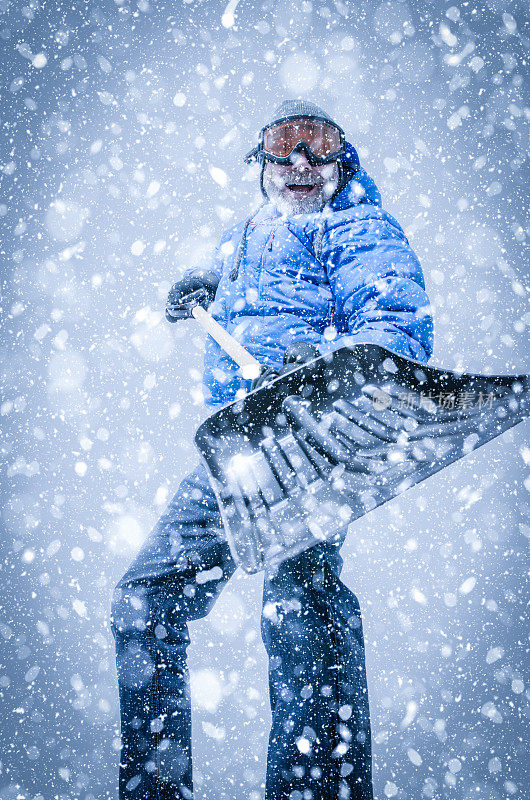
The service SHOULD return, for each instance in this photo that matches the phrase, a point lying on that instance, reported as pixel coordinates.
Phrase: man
(319, 265)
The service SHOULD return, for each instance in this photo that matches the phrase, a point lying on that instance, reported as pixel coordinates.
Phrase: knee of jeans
(135, 608)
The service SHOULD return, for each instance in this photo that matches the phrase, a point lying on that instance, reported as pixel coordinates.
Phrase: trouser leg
(319, 745)
(168, 583)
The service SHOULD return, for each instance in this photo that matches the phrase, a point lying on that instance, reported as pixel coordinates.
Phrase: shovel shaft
(250, 366)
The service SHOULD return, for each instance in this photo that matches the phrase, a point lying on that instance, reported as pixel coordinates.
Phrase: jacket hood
(359, 186)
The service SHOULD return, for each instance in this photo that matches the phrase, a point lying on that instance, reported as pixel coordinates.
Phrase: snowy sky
(124, 125)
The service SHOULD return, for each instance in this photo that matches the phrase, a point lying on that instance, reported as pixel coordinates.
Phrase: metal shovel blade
(293, 463)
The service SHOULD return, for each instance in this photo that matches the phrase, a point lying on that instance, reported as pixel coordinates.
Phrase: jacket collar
(360, 189)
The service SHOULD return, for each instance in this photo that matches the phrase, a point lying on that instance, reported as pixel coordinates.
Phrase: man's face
(299, 187)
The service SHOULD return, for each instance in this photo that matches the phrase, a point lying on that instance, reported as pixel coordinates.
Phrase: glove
(267, 376)
(296, 354)
(195, 289)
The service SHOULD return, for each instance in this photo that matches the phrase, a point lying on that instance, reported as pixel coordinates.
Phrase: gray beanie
(298, 108)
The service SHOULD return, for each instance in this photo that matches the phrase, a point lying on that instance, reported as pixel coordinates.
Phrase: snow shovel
(295, 462)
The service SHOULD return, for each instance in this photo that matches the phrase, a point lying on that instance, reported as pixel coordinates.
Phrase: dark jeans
(319, 745)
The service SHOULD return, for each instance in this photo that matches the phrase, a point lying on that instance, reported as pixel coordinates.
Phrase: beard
(319, 186)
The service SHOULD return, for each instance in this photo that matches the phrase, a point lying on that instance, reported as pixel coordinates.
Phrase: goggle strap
(252, 155)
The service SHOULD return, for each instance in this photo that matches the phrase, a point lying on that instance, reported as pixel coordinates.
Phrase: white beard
(289, 206)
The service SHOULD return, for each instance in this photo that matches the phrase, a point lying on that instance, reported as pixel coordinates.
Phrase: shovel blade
(293, 463)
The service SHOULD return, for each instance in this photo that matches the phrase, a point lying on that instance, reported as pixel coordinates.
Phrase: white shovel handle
(250, 366)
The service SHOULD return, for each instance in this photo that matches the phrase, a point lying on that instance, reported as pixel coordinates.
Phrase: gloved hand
(198, 288)
(296, 354)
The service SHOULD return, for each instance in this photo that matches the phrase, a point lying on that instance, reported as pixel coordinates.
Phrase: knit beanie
(290, 109)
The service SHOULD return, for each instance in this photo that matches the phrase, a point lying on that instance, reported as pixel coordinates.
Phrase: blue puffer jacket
(282, 279)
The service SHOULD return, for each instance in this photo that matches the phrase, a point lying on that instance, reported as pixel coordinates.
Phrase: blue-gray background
(123, 130)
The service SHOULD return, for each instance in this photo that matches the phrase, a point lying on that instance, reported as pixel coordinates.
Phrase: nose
(299, 159)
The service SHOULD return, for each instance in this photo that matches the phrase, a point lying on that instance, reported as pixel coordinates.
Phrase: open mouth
(301, 188)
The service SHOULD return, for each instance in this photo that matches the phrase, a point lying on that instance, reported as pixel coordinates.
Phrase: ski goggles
(321, 140)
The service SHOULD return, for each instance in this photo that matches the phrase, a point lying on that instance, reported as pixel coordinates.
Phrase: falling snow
(124, 128)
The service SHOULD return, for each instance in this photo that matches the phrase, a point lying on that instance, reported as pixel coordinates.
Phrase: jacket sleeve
(378, 288)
